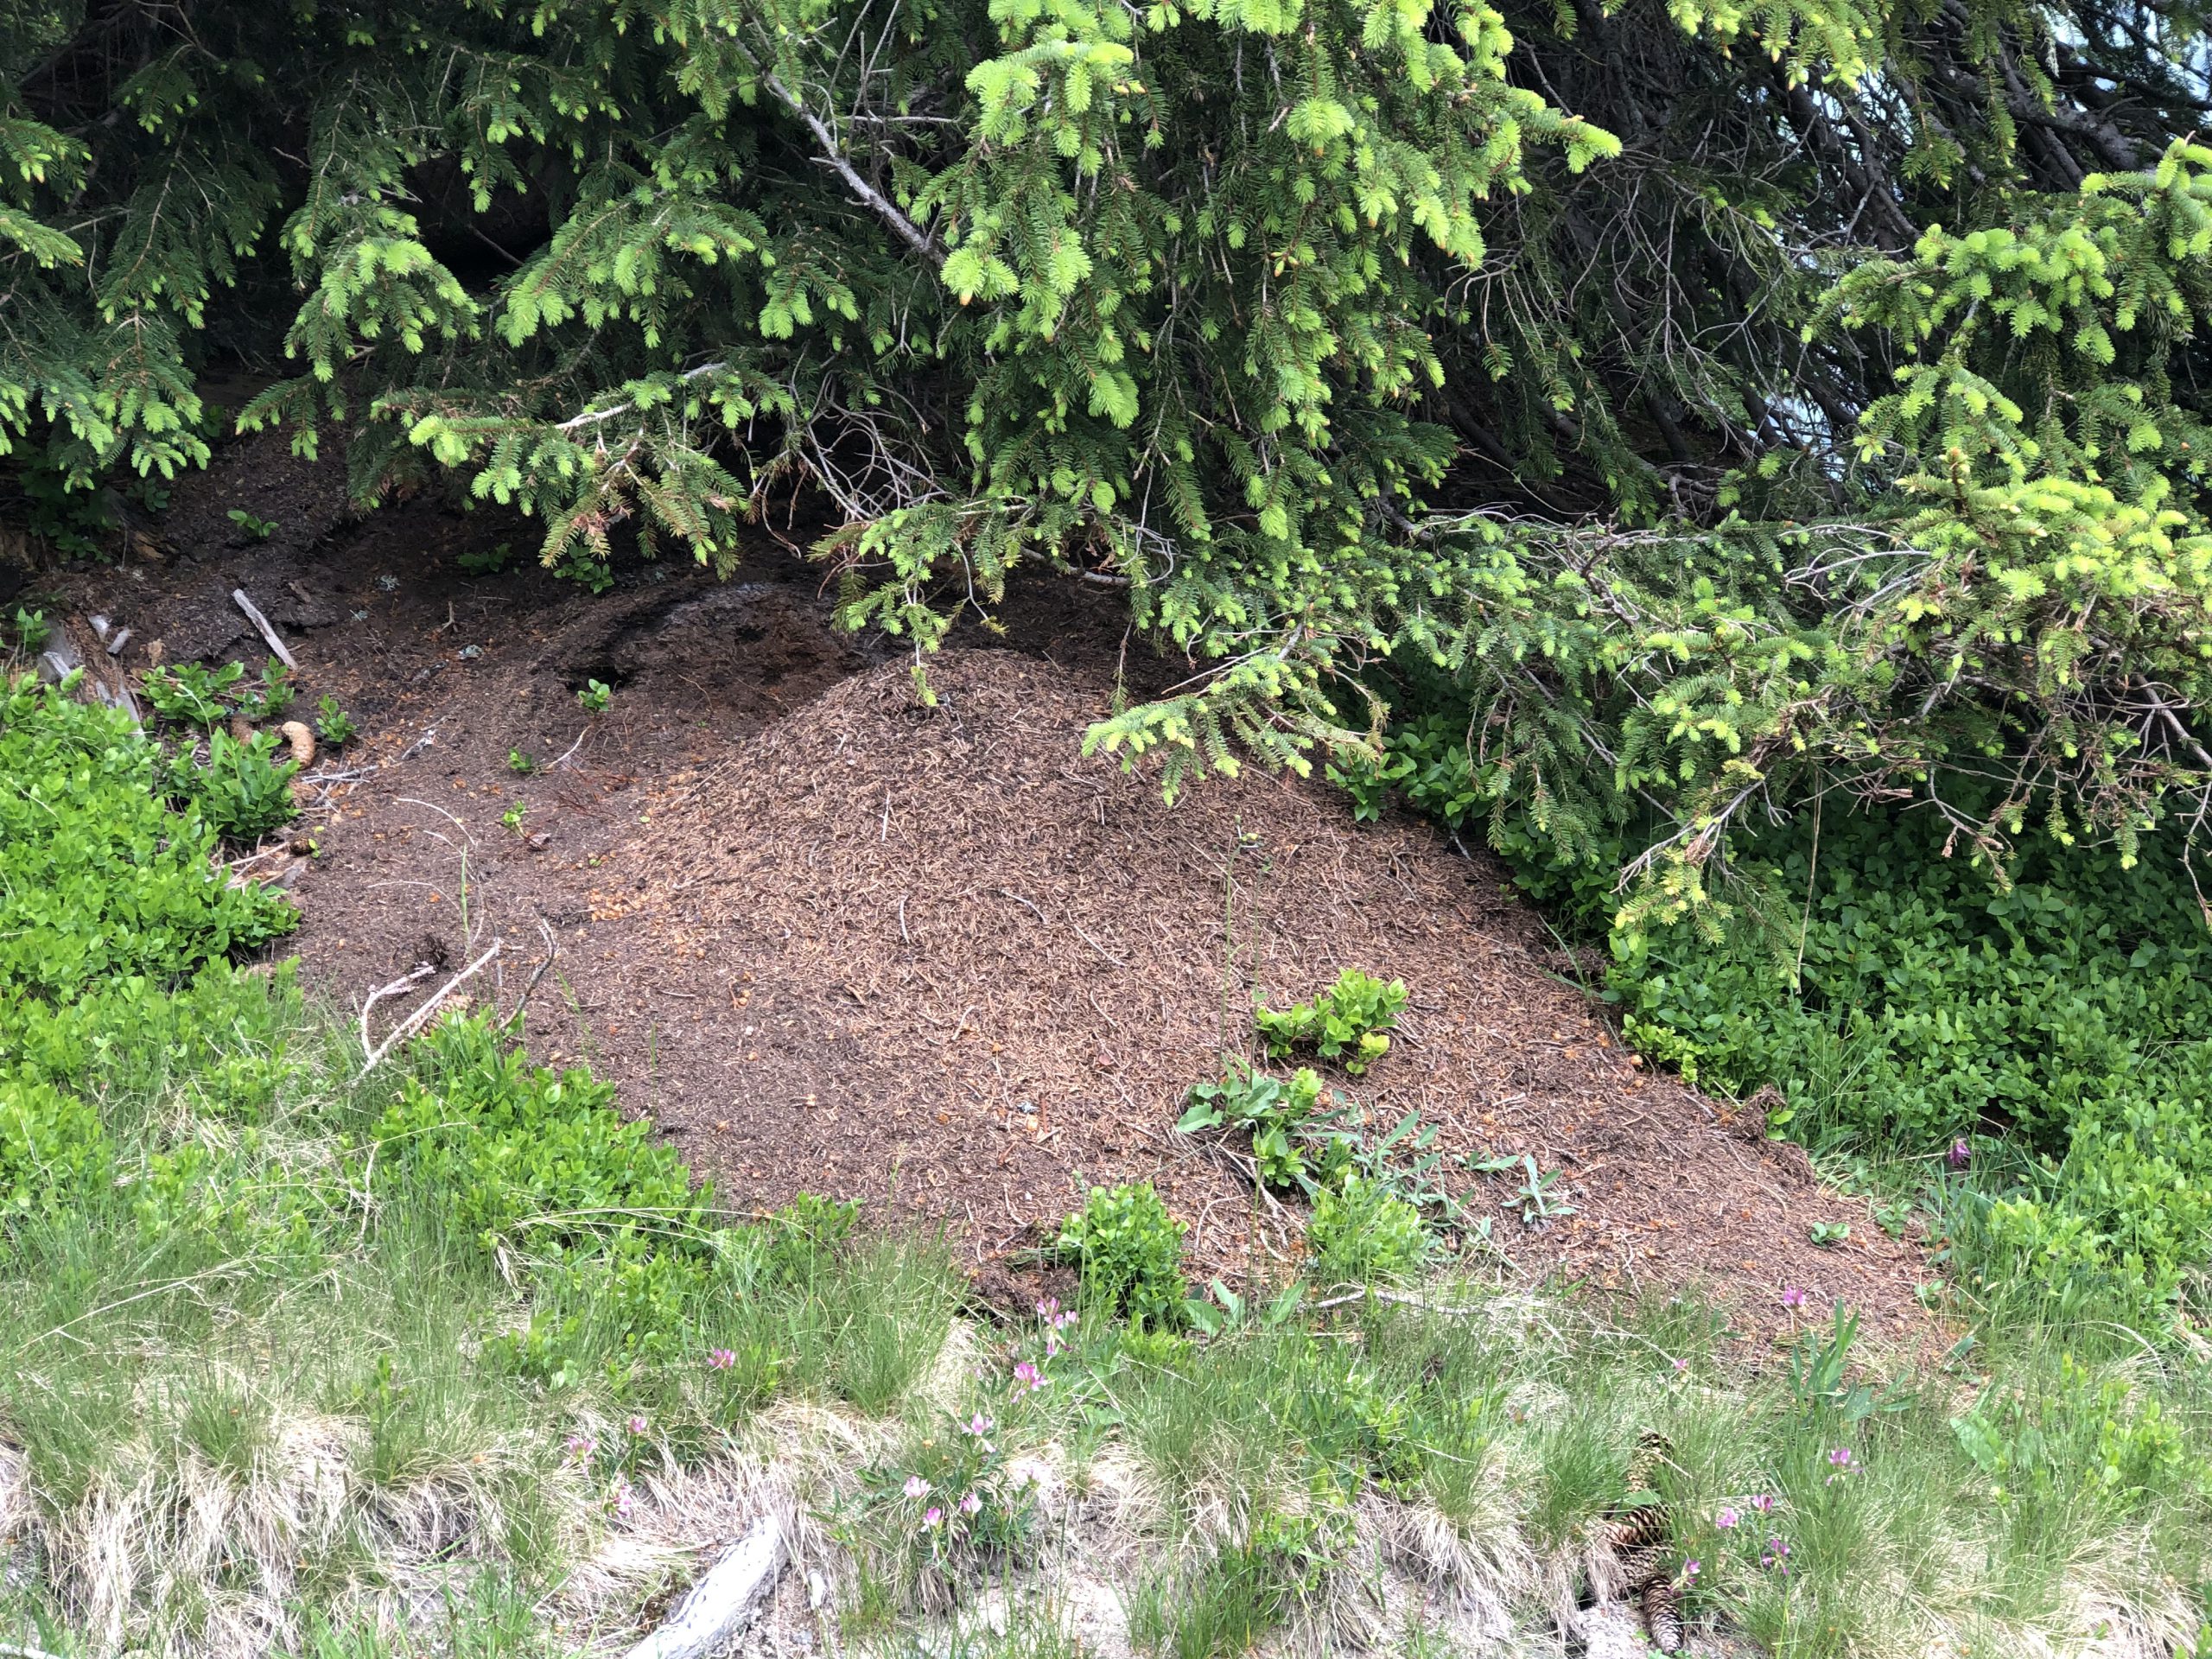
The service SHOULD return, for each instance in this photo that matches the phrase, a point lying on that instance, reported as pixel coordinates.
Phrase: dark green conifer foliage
(1725, 395)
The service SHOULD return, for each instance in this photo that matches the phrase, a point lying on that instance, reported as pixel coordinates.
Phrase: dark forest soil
(833, 940)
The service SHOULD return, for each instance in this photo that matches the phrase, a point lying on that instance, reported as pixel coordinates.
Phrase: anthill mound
(936, 953)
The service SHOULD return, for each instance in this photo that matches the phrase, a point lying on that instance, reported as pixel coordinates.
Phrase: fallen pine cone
(1638, 1541)
(301, 739)
(1663, 1615)
(1639, 1529)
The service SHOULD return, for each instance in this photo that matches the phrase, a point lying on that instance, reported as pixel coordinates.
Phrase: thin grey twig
(415, 1022)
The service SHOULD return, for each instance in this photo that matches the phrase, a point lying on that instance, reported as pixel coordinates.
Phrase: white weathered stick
(415, 1022)
(368, 1043)
(723, 1602)
(58, 662)
(253, 615)
(572, 748)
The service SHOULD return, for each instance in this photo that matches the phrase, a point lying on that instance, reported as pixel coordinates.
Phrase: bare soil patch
(833, 940)
(938, 952)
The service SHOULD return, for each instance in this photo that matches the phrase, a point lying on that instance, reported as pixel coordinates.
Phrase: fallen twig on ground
(415, 1022)
(268, 631)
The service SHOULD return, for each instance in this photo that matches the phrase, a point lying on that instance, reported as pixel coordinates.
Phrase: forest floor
(831, 939)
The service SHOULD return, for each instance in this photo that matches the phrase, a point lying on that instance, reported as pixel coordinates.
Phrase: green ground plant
(238, 785)
(1346, 1023)
(1304, 1137)
(241, 789)
(333, 724)
(485, 562)
(272, 697)
(193, 694)
(84, 805)
(1362, 1233)
(1297, 1142)
(1129, 1251)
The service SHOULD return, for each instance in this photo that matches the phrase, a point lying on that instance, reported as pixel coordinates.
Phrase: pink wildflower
(637, 1425)
(1793, 1296)
(1763, 1503)
(970, 1503)
(721, 1359)
(1026, 1375)
(1960, 1153)
(933, 1518)
(1725, 1519)
(978, 1425)
(916, 1487)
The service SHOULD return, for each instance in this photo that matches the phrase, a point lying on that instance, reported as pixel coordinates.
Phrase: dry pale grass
(167, 1552)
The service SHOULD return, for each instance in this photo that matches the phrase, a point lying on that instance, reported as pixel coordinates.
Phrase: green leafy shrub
(1344, 1022)
(1362, 1233)
(485, 561)
(274, 696)
(130, 1036)
(52, 1146)
(113, 924)
(1129, 1252)
(242, 789)
(520, 1153)
(1294, 1137)
(98, 878)
(333, 724)
(191, 695)
(2087, 1432)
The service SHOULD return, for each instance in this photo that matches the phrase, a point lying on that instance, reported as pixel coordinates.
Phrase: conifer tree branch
(834, 154)
(1841, 431)
(593, 417)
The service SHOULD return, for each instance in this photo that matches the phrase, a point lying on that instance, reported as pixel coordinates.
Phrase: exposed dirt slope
(935, 949)
(833, 940)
